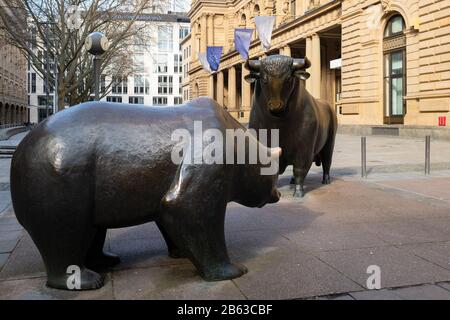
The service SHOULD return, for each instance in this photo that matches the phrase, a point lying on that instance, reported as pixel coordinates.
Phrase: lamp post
(97, 44)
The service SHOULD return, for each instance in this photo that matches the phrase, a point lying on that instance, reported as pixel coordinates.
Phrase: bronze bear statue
(104, 165)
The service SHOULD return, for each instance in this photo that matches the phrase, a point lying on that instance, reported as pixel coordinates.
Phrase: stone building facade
(13, 94)
(377, 62)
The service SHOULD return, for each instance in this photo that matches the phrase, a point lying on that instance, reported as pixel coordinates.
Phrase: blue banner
(242, 39)
(213, 55)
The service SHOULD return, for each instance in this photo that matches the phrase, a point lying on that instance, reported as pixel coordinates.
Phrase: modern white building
(157, 71)
(158, 65)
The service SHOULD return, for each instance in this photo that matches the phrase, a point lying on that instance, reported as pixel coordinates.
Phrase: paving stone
(245, 246)
(423, 292)
(35, 289)
(341, 297)
(148, 252)
(335, 237)
(10, 235)
(148, 230)
(398, 267)
(437, 252)
(383, 294)
(437, 187)
(7, 245)
(24, 262)
(445, 285)
(287, 273)
(170, 282)
(411, 231)
(3, 259)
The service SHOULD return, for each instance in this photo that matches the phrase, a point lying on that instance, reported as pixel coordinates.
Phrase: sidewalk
(318, 247)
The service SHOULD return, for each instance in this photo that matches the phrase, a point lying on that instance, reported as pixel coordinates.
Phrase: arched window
(256, 10)
(394, 48)
(243, 20)
(395, 26)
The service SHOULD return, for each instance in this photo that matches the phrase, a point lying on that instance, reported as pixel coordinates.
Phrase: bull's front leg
(301, 169)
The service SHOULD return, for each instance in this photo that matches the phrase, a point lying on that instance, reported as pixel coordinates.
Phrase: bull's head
(276, 76)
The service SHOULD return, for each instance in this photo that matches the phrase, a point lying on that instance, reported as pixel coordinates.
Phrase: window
(119, 85)
(33, 83)
(103, 83)
(183, 32)
(395, 26)
(180, 82)
(42, 101)
(394, 70)
(114, 99)
(160, 101)
(141, 85)
(177, 63)
(165, 42)
(162, 63)
(165, 84)
(136, 100)
(178, 100)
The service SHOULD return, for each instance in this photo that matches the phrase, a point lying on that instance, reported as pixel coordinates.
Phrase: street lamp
(96, 44)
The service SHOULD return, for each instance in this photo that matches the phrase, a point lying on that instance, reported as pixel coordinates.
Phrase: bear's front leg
(200, 234)
(192, 213)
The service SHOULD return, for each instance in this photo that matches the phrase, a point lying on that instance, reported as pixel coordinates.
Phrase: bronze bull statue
(104, 165)
(307, 126)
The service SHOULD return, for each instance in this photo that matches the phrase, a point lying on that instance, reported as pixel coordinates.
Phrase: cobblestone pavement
(319, 247)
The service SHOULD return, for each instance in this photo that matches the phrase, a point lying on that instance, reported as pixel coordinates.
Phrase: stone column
(203, 33)
(299, 8)
(210, 29)
(219, 90)
(287, 51)
(194, 42)
(211, 86)
(316, 66)
(246, 89)
(232, 88)
(309, 56)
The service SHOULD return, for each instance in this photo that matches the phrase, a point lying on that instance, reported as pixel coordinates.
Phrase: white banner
(202, 57)
(264, 25)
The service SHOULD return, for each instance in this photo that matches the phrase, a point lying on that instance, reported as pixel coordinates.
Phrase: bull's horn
(301, 64)
(275, 152)
(253, 65)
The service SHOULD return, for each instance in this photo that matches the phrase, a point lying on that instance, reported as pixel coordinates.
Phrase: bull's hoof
(299, 194)
(326, 180)
(225, 272)
(89, 280)
(105, 261)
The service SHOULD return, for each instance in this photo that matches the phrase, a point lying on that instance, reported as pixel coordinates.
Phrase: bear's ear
(302, 74)
(252, 77)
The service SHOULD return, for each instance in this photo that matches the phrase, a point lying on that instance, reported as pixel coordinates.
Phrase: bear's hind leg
(97, 259)
(64, 252)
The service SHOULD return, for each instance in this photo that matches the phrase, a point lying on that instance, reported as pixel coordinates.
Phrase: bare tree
(51, 30)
